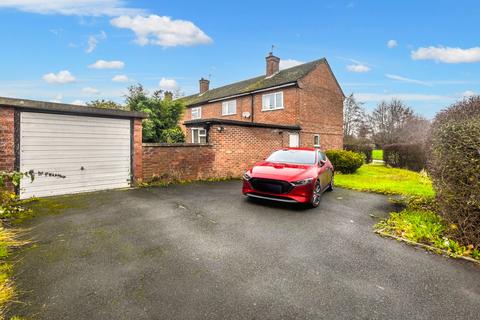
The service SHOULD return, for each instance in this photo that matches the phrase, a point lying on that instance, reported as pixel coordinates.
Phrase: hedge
(410, 156)
(454, 165)
(345, 161)
(366, 150)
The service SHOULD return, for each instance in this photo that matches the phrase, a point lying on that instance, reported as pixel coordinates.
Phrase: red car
(296, 175)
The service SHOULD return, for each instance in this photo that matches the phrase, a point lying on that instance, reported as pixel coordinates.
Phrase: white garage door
(92, 153)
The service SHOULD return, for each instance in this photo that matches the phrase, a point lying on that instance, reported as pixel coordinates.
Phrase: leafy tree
(106, 104)
(163, 114)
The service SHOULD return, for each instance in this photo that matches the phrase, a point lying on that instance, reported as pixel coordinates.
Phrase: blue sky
(424, 52)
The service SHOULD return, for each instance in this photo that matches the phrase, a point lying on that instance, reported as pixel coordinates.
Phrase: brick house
(303, 103)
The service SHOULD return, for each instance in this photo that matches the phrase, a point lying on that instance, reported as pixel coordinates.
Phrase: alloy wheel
(317, 194)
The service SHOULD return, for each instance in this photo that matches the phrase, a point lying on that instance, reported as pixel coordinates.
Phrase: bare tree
(389, 120)
(415, 130)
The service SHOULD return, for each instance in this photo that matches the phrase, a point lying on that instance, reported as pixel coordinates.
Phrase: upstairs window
(199, 135)
(272, 101)
(229, 107)
(196, 113)
(316, 141)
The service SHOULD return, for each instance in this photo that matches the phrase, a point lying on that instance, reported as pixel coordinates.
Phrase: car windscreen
(293, 156)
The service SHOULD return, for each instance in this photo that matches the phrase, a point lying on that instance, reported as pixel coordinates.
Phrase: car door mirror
(322, 163)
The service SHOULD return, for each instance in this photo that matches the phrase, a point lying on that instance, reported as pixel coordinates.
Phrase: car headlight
(302, 182)
(246, 176)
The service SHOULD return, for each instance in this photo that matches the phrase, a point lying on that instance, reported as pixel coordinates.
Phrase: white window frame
(269, 96)
(315, 136)
(199, 135)
(226, 105)
(198, 111)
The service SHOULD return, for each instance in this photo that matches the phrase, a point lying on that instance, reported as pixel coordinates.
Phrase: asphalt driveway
(202, 251)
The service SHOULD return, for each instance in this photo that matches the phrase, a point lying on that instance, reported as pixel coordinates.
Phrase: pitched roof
(290, 75)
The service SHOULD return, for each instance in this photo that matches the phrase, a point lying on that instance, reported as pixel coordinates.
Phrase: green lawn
(377, 154)
(381, 179)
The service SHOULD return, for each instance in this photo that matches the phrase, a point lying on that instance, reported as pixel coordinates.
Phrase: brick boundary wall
(177, 161)
(230, 151)
(7, 140)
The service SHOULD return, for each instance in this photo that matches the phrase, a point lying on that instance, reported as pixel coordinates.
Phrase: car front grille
(270, 186)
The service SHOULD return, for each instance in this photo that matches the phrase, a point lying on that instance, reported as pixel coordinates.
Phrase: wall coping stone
(176, 145)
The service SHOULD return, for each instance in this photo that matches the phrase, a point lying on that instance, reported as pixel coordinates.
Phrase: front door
(293, 140)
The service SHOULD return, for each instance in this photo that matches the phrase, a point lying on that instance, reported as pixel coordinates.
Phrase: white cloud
(288, 63)
(102, 64)
(94, 40)
(392, 43)
(120, 78)
(78, 102)
(162, 30)
(359, 68)
(91, 90)
(72, 7)
(469, 93)
(447, 54)
(407, 80)
(167, 84)
(375, 97)
(58, 98)
(63, 76)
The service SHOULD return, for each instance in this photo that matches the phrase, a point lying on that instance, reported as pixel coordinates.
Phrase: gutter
(63, 108)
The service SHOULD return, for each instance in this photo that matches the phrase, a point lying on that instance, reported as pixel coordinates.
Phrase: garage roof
(53, 107)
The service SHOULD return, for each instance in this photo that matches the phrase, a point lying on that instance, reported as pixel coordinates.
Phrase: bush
(364, 149)
(405, 155)
(345, 161)
(173, 135)
(455, 167)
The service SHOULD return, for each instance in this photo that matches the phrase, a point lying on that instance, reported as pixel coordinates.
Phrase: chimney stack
(273, 64)
(168, 95)
(204, 84)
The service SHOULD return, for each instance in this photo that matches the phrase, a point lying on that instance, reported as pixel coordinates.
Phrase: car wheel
(316, 195)
(331, 185)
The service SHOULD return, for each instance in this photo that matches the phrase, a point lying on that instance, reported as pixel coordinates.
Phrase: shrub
(345, 161)
(364, 149)
(405, 155)
(172, 135)
(454, 165)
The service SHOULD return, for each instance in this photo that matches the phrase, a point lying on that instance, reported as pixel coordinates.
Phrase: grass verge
(377, 154)
(381, 179)
(419, 225)
(9, 240)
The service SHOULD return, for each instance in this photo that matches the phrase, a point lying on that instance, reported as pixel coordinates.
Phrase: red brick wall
(137, 164)
(321, 109)
(286, 116)
(229, 153)
(238, 148)
(7, 140)
(177, 161)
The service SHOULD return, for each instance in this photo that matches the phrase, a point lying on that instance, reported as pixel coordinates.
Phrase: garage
(73, 149)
